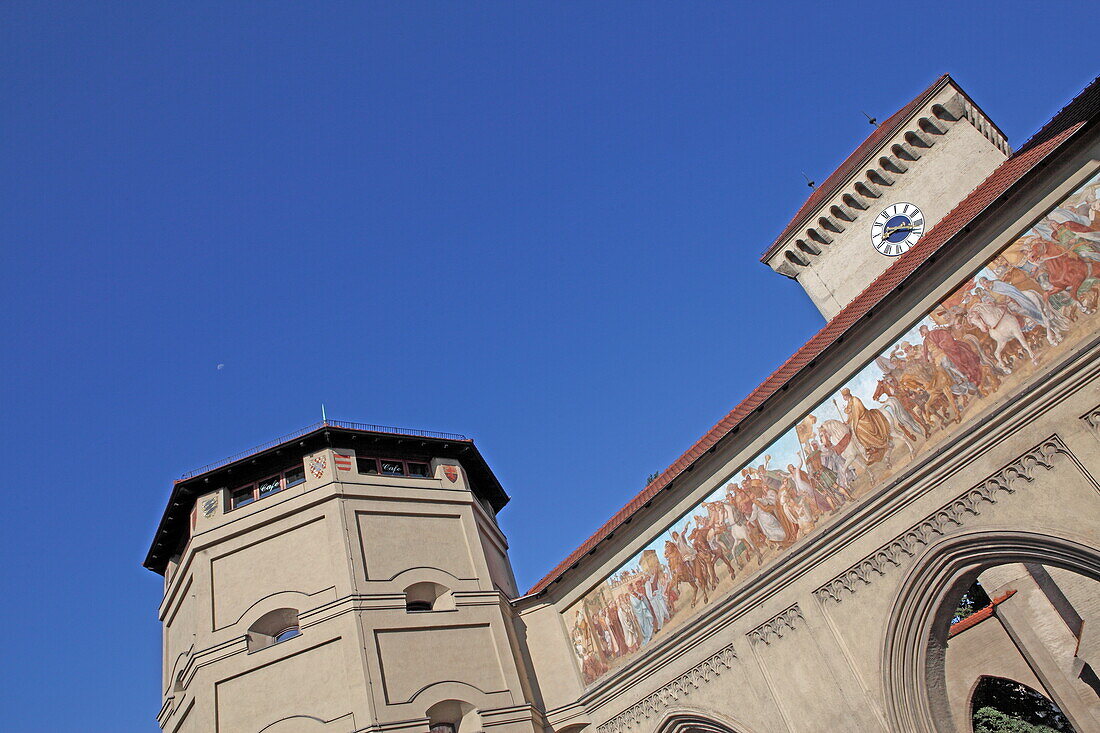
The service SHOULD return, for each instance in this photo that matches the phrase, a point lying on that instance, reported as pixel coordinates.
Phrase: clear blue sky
(535, 224)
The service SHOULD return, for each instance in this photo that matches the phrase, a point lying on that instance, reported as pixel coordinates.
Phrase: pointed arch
(916, 630)
(687, 720)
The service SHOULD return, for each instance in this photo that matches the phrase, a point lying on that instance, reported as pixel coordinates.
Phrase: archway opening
(1014, 605)
(1001, 705)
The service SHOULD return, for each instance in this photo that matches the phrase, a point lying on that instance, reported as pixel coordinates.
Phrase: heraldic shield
(451, 472)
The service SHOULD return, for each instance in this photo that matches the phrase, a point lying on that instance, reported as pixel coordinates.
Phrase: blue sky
(537, 224)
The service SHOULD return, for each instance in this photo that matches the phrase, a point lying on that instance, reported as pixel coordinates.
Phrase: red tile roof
(978, 616)
(1085, 107)
(857, 159)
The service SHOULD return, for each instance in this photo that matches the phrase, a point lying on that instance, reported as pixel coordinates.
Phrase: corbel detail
(777, 626)
(952, 514)
(655, 703)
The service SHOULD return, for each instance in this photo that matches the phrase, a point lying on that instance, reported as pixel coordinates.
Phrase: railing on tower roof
(365, 427)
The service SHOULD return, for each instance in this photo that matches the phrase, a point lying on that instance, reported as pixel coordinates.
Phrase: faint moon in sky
(220, 367)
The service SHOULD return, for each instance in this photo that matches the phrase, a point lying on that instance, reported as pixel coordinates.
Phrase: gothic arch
(916, 630)
(686, 720)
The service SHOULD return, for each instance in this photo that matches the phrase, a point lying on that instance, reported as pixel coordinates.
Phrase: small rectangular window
(366, 465)
(269, 486)
(418, 469)
(242, 497)
(392, 468)
(295, 476)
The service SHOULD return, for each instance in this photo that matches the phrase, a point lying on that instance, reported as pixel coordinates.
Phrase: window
(288, 633)
(272, 628)
(423, 597)
(269, 486)
(242, 497)
(393, 467)
(295, 476)
(245, 495)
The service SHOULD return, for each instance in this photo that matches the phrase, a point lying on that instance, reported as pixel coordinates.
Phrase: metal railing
(365, 427)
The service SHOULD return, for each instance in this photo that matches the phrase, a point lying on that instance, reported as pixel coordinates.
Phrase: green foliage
(651, 478)
(973, 600)
(992, 720)
(1006, 706)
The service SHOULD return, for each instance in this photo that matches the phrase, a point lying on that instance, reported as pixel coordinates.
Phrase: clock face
(897, 228)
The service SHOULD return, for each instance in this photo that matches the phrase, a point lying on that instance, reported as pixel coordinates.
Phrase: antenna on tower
(323, 418)
(809, 182)
(870, 119)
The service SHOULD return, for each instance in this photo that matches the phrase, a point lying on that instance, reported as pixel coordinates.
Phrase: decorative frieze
(1092, 418)
(952, 514)
(655, 703)
(777, 626)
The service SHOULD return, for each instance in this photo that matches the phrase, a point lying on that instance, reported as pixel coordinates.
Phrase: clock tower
(906, 176)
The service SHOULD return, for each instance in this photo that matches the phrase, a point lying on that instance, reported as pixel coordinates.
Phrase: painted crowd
(1034, 300)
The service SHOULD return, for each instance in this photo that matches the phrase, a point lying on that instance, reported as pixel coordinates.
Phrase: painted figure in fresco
(1031, 304)
(834, 460)
(745, 541)
(942, 349)
(655, 589)
(803, 486)
(797, 507)
(768, 484)
(889, 393)
(931, 388)
(642, 615)
(611, 619)
(838, 437)
(681, 571)
(1064, 268)
(870, 428)
(1002, 326)
(629, 623)
(708, 550)
(823, 478)
(765, 513)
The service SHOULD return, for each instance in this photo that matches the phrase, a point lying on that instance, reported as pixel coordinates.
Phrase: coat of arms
(209, 504)
(451, 472)
(317, 466)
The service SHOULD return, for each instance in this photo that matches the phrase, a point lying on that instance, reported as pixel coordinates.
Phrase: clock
(897, 228)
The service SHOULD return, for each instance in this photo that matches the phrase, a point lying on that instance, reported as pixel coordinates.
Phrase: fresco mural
(1033, 301)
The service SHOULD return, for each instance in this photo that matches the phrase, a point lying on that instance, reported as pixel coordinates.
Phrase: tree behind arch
(1004, 706)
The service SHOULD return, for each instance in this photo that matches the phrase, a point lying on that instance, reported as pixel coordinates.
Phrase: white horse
(840, 433)
(1001, 325)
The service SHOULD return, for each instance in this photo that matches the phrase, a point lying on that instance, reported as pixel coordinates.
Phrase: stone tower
(929, 154)
(345, 578)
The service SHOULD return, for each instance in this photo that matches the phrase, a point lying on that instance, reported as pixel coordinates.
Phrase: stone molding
(777, 626)
(954, 513)
(1092, 419)
(653, 704)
